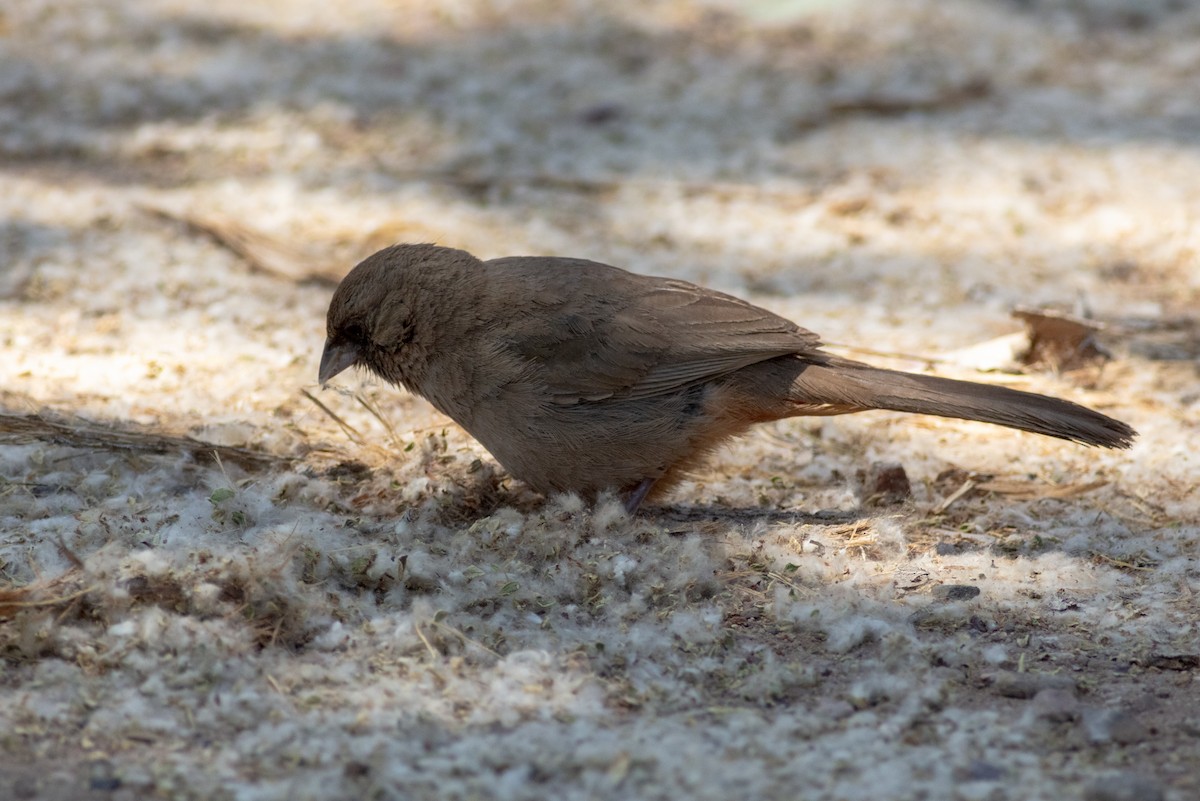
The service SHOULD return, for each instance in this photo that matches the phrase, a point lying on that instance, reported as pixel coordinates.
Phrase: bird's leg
(638, 494)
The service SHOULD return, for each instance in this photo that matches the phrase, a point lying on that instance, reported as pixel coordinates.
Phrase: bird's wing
(597, 332)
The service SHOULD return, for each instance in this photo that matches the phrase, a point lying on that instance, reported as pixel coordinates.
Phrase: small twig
(76, 432)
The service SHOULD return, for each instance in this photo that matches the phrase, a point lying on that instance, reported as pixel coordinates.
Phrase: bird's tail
(858, 386)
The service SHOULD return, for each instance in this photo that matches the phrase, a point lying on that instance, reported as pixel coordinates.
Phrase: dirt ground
(219, 582)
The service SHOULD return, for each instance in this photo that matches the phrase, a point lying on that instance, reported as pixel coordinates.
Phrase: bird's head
(374, 313)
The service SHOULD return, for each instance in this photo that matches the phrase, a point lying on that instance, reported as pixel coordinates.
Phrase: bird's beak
(335, 359)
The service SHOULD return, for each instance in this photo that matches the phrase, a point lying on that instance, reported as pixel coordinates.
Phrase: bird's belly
(589, 447)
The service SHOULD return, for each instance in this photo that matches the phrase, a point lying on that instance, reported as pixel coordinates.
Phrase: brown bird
(581, 377)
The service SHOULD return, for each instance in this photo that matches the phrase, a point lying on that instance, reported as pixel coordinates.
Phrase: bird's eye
(354, 333)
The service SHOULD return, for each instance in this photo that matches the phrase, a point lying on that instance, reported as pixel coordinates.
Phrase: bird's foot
(638, 494)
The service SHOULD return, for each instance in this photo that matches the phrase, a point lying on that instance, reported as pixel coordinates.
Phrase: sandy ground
(375, 611)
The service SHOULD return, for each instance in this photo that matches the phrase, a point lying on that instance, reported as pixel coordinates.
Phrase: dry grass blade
(433, 652)
(75, 432)
(464, 638)
(953, 497)
(780, 578)
(58, 591)
(382, 420)
(1024, 490)
(1021, 490)
(1124, 565)
(262, 252)
(350, 430)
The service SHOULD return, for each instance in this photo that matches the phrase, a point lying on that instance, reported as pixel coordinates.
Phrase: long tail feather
(866, 387)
